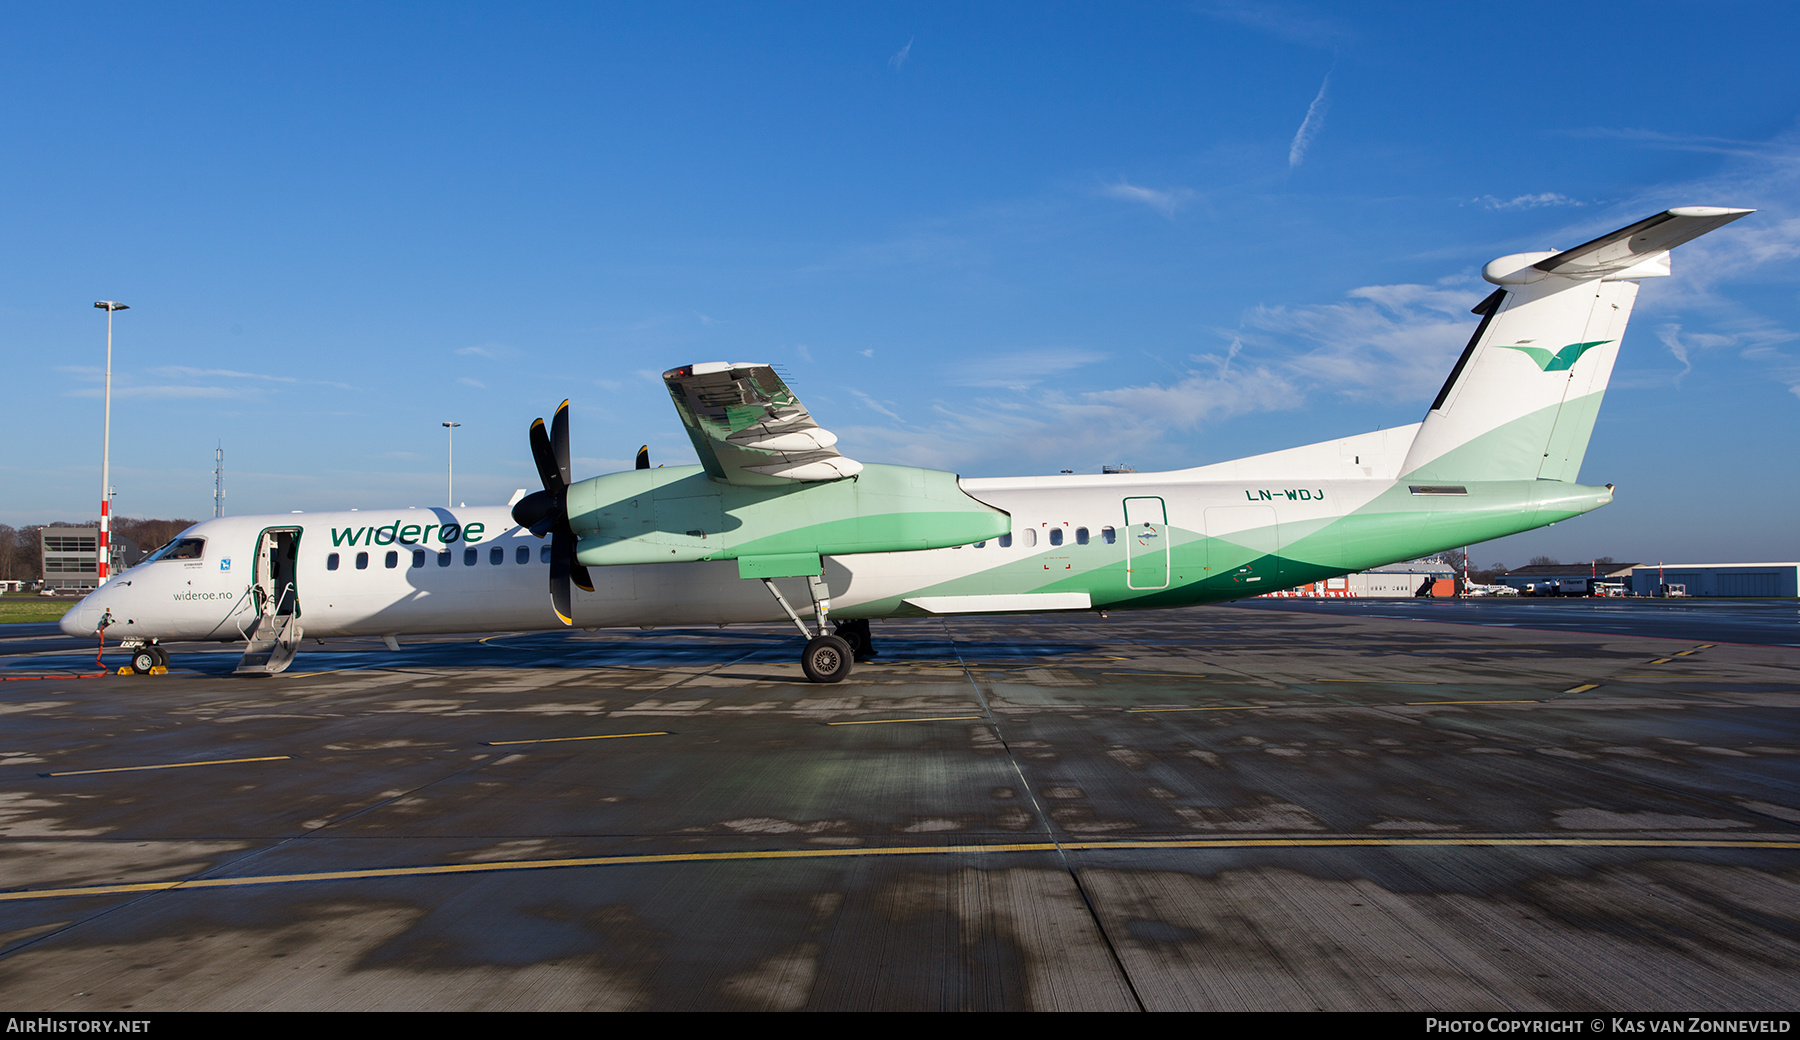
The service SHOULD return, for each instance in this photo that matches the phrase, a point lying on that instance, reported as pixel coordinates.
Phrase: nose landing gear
(149, 659)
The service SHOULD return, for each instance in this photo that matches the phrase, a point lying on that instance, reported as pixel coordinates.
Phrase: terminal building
(1716, 579)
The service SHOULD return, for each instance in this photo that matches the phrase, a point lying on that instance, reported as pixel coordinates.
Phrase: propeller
(547, 511)
(643, 458)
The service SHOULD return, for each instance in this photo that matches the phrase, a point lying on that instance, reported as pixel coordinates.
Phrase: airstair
(272, 645)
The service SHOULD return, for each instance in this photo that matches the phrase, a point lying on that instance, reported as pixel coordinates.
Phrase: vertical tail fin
(1521, 401)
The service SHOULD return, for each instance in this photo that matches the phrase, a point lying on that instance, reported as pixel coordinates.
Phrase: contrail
(1310, 126)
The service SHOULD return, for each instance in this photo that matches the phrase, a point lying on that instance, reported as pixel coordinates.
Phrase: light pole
(106, 447)
(450, 464)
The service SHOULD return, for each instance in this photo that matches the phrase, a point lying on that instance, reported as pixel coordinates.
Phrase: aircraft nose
(81, 618)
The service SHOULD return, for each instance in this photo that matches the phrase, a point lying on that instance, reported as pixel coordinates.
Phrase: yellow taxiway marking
(914, 850)
(1662, 660)
(1221, 707)
(1413, 703)
(172, 765)
(596, 736)
(1583, 688)
(1705, 646)
(883, 722)
(1684, 653)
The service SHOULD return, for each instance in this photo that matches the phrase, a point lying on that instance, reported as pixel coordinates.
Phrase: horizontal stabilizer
(1645, 242)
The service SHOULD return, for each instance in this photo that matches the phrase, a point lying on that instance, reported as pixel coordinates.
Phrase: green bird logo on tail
(1562, 360)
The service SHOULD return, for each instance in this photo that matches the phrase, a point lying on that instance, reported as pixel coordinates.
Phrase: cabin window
(524, 554)
(1030, 539)
(1056, 536)
(496, 555)
(418, 558)
(470, 556)
(393, 559)
(444, 558)
(1005, 540)
(544, 553)
(362, 561)
(331, 562)
(1108, 535)
(1081, 536)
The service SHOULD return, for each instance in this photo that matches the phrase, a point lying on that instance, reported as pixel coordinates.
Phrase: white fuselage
(388, 572)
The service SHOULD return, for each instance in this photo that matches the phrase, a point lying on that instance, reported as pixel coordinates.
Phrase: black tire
(851, 632)
(826, 659)
(162, 655)
(142, 660)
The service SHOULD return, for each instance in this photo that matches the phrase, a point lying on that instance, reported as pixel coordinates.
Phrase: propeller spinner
(546, 511)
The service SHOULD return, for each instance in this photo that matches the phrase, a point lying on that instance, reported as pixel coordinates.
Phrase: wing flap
(749, 429)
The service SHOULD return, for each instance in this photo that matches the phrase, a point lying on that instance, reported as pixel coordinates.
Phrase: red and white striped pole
(106, 446)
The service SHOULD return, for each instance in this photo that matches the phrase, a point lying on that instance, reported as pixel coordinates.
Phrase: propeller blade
(559, 441)
(583, 580)
(561, 556)
(535, 509)
(542, 455)
(643, 457)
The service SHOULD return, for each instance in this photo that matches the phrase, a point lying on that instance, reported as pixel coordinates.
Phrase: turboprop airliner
(775, 523)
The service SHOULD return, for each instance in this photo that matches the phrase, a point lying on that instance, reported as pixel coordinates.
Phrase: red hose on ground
(100, 648)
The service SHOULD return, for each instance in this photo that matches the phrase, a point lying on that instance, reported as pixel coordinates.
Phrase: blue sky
(996, 239)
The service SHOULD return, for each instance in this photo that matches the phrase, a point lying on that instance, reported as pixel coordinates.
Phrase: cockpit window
(180, 549)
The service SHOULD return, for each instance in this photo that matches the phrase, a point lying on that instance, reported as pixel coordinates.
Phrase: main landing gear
(827, 658)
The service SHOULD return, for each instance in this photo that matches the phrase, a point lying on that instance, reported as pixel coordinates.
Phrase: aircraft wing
(749, 429)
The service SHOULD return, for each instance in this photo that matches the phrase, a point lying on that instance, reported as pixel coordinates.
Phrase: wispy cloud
(1310, 126)
(1381, 342)
(1759, 343)
(166, 391)
(184, 372)
(490, 350)
(875, 406)
(185, 381)
(476, 383)
(1164, 202)
(1286, 22)
(899, 58)
(1547, 198)
(1021, 369)
(1679, 142)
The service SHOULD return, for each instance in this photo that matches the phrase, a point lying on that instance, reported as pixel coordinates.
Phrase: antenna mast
(219, 481)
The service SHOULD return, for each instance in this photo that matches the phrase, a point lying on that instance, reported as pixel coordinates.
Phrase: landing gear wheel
(855, 633)
(857, 636)
(142, 660)
(826, 659)
(162, 656)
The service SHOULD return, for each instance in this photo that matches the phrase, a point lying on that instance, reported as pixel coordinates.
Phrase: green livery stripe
(1547, 443)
